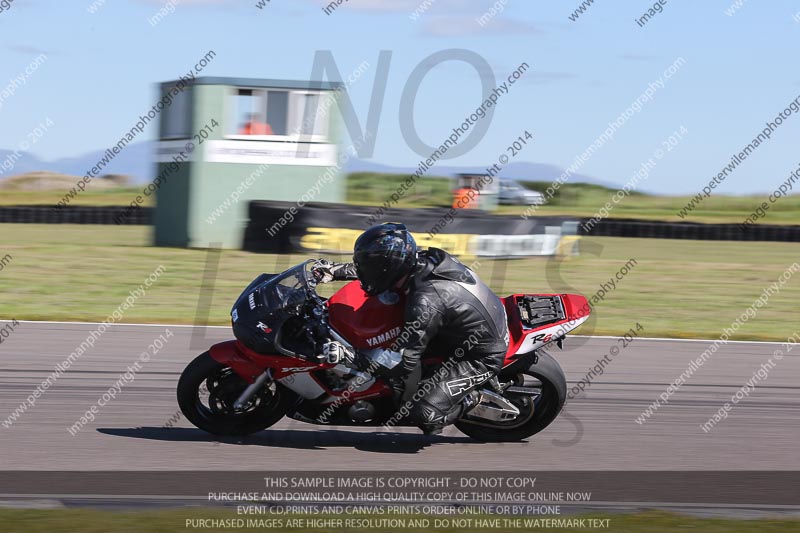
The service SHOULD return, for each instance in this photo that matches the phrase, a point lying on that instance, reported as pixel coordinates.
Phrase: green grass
(90, 521)
(368, 188)
(99, 197)
(48, 188)
(679, 288)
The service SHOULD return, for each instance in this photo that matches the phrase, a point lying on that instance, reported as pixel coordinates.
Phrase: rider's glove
(322, 270)
(335, 352)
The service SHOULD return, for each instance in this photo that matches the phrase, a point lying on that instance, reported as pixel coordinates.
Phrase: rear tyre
(546, 378)
(207, 391)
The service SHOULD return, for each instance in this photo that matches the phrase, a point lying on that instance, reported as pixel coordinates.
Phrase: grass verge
(676, 288)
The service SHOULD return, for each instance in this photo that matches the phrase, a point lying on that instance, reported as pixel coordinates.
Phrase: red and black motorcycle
(273, 369)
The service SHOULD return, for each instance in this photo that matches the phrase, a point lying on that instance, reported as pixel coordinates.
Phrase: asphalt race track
(598, 431)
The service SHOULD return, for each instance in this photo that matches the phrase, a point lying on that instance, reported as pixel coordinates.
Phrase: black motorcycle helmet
(383, 255)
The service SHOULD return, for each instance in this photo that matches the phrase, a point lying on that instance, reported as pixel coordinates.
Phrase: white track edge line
(227, 327)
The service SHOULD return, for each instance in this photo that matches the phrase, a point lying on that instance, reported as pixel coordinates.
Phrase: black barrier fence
(282, 227)
(43, 214)
(290, 227)
(653, 229)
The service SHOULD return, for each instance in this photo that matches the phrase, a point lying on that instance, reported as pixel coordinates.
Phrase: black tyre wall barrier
(264, 215)
(46, 214)
(278, 226)
(653, 229)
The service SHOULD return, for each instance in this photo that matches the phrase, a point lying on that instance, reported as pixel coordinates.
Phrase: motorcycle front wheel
(207, 391)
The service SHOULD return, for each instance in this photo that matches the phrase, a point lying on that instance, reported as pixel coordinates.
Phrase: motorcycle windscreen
(264, 308)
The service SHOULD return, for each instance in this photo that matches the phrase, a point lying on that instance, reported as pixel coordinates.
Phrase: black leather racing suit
(450, 313)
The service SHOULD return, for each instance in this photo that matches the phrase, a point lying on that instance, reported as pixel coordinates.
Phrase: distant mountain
(26, 163)
(136, 160)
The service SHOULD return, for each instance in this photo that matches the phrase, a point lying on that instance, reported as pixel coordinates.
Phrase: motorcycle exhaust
(494, 407)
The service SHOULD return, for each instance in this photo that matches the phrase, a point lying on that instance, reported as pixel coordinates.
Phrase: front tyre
(545, 391)
(207, 391)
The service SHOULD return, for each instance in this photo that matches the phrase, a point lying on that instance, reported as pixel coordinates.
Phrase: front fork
(252, 389)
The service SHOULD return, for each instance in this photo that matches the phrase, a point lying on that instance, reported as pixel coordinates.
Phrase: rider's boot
(434, 423)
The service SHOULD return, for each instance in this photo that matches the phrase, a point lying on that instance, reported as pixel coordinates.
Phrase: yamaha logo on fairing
(384, 337)
(252, 300)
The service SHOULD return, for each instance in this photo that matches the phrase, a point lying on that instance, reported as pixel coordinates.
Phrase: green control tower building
(226, 141)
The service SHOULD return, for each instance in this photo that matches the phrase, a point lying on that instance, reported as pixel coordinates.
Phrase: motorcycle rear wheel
(207, 391)
(536, 413)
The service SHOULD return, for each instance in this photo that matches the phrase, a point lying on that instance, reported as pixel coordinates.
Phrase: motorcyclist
(446, 304)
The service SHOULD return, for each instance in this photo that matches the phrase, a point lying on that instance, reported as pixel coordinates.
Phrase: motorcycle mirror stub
(389, 298)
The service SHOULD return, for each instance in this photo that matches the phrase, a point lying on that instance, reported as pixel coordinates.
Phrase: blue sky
(740, 71)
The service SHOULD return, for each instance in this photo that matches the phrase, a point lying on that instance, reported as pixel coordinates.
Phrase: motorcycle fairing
(571, 310)
(366, 322)
(294, 373)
